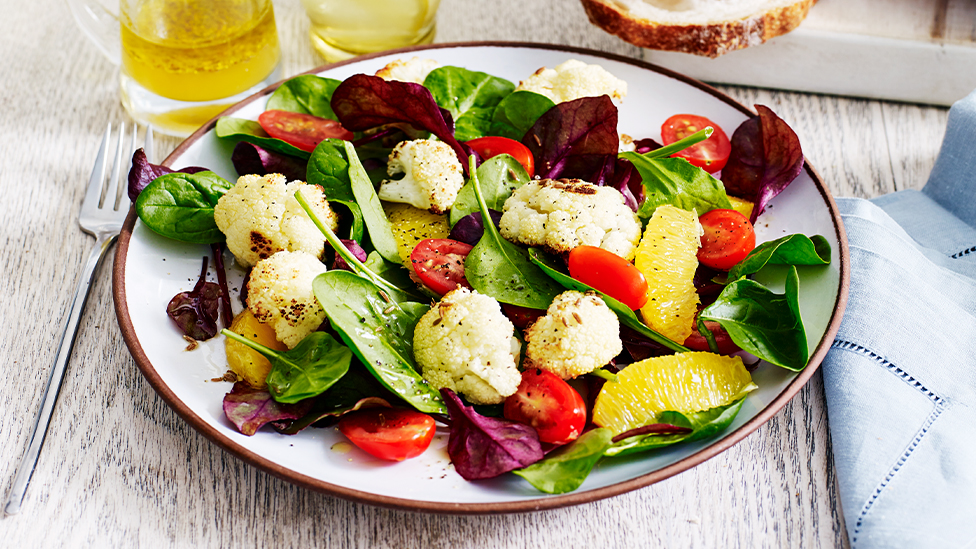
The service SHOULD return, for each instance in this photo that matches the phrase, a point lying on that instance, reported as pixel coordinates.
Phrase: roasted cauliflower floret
(432, 175)
(260, 216)
(577, 335)
(279, 293)
(574, 79)
(413, 70)
(565, 213)
(465, 343)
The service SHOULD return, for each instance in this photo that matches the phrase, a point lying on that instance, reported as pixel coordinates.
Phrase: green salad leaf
(181, 206)
(470, 96)
(305, 94)
(517, 112)
(702, 424)
(793, 249)
(308, 370)
(761, 322)
(677, 182)
(565, 469)
(380, 332)
(498, 178)
(502, 270)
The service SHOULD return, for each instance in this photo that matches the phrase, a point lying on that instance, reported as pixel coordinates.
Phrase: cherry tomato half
(439, 262)
(490, 146)
(723, 340)
(709, 155)
(609, 273)
(301, 130)
(548, 404)
(521, 317)
(389, 433)
(728, 239)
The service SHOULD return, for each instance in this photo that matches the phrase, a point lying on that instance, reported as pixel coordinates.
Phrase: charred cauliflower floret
(465, 343)
(432, 175)
(279, 293)
(260, 216)
(574, 79)
(413, 70)
(577, 335)
(561, 214)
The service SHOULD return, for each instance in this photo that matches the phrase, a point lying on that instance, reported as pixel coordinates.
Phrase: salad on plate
(435, 247)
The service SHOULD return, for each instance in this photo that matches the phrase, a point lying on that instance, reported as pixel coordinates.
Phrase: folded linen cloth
(900, 379)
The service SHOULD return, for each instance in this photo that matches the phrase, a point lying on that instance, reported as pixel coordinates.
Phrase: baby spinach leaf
(700, 425)
(470, 97)
(763, 323)
(517, 112)
(677, 182)
(793, 249)
(250, 131)
(394, 273)
(380, 332)
(498, 176)
(485, 447)
(306, 94)
(502, 270)
(181, 206)
(314, 365)
(623, 312)
(565, 469)
(335, 167)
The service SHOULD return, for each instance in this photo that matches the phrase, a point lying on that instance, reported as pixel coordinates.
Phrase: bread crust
(711, 40)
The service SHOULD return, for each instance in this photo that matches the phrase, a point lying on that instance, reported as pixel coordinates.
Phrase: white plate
(150, 270)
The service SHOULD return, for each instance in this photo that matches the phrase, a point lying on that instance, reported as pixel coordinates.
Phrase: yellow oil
(341, 29)
(199, 50)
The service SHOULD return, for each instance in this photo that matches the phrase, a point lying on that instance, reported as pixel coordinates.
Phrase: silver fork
(102, 214)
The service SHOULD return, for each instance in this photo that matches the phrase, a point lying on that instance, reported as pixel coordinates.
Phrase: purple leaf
(355, 248)
(470, 228)
(218, 253)
(640, 347)
(576, 139)
(364, 102)
(249, 408)
(483, 447)
(143, 172)
(765, 159)
(195, 312)
(249, 158)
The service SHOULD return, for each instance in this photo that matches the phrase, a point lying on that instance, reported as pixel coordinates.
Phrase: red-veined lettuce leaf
(249, 408)
(576, 139)
(765, 158)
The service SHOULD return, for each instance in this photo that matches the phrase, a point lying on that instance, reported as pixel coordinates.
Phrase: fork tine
(111, 193)
(95, 182)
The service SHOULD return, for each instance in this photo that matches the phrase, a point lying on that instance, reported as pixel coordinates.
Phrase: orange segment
(411, 225)
(685, 382)
(667, 255)
(244, 361)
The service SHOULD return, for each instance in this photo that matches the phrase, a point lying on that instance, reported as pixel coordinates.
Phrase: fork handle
(19, 487)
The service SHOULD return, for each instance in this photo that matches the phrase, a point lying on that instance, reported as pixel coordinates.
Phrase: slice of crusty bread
(701, 27)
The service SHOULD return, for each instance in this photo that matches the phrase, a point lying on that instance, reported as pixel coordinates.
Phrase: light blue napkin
(900, 379)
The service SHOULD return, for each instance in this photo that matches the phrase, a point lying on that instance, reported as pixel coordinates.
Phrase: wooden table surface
(120, 468)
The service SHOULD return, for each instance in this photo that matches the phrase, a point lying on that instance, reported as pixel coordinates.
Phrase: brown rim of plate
(543, 502)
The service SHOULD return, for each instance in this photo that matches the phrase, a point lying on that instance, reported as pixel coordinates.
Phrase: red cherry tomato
(709, 155)
(389, 433)
(301, 130)
(723, 340)
(487, 147)
(439, 262)
(609, 273)
(728, 239)
(548, 404)
(521, 317)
